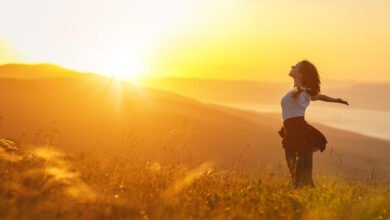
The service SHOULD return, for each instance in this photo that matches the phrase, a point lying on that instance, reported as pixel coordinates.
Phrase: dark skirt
(298, 135)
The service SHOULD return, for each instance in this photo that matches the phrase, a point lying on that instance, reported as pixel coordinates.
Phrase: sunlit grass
(45, 183)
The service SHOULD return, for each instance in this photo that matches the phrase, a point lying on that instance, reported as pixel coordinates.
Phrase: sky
(218, 39)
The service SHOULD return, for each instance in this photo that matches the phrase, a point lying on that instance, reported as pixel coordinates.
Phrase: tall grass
(41, 182)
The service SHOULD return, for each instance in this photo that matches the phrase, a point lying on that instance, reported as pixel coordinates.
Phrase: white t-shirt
(294, 107)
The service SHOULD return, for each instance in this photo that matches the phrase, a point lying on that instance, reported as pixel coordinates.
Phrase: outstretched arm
(328, 99)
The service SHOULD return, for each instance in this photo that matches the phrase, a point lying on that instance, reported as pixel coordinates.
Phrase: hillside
(99, 114)
(360, 95)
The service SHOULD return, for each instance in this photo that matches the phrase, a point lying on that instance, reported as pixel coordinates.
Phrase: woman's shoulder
(305, 90)
(299, 91)
(304, 94)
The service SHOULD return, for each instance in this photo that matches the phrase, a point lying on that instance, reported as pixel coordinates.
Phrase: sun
(122, 66)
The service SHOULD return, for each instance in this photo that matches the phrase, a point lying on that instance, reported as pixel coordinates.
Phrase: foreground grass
(43, 183)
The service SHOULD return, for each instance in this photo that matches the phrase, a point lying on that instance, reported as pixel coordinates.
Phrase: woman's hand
(342, 101)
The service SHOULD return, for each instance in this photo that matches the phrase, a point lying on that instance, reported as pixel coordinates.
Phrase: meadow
(44, 182)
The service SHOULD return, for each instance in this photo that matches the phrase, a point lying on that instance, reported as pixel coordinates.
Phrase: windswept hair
(310, 79)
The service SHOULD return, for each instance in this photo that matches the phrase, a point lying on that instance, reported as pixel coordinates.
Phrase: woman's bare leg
(304, 169)
(291, 164)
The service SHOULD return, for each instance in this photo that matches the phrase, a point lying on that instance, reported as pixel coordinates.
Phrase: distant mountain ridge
(360, 95)
(372, 96)
(37, 71)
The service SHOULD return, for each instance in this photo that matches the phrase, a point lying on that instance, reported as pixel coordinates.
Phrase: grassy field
(42, 182)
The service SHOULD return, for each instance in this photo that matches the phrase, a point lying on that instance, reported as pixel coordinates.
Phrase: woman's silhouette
(299, 138)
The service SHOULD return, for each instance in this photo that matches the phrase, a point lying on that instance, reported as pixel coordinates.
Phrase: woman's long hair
(310, 79)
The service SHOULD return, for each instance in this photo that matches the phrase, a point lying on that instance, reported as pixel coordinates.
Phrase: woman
(300, 139)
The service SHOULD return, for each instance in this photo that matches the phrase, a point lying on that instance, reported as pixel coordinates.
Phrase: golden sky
(226, 39)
